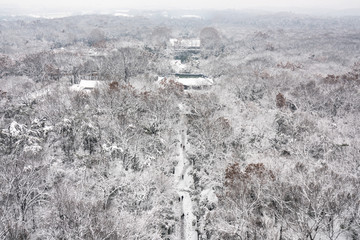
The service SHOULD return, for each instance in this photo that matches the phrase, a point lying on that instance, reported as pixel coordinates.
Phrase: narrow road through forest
(185, 184)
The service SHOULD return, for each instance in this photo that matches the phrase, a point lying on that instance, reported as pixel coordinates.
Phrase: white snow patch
(123, 15)
(86, 85)
(177, 66)
(32, 149)
(111, 148)
(209, 196)
(191, 16)
(51, 15)
(16, 129)
(48, 129)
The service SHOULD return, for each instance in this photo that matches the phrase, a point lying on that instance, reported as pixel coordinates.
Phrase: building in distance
(190, 81)
(86, 85)
(180, 44)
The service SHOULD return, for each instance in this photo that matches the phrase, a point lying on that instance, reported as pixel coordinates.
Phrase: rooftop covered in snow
(194, 81)
(190, 43)
(85, 85)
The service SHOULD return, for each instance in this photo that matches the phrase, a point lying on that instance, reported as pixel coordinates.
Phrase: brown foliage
(280, 100)
(289, 65)
(2, 94)
(114, 86)
(261, 35)
(145, 94)
(171, 86)
(233, 174)
(352, 76)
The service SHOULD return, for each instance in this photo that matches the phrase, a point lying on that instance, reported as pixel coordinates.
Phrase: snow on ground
(122, 15)
(177, 66)
(191, 16)
(184, 185)
(209, 196)
(51, 15)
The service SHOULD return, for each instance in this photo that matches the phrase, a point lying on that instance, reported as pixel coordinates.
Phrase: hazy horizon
(320, 6)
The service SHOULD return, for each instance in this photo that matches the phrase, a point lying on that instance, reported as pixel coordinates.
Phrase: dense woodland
(274, 143)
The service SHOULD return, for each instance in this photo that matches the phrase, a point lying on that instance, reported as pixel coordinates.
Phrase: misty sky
(183, 4)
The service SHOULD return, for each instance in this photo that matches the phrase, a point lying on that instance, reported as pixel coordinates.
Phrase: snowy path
(184, 185)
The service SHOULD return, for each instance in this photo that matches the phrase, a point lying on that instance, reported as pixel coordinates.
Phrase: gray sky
(184, 4)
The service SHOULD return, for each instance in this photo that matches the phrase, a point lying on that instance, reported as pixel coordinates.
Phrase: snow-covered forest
(269, 149)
